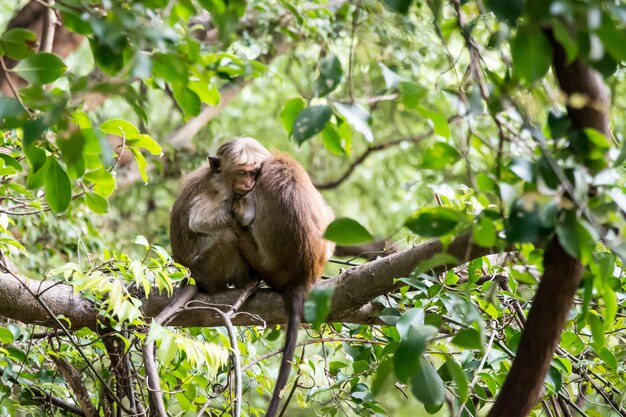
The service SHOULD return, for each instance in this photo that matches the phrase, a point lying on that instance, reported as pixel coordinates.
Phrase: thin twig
(13, 88)
(312, 342)
(155, 393)
(49, 26)
(358, 161)
(232, 336)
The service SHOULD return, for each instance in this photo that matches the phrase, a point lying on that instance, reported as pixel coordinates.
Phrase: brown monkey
(203, 217)
(285, 244)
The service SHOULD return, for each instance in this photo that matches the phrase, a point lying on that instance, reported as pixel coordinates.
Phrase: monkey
(285, 244)
(213, 200)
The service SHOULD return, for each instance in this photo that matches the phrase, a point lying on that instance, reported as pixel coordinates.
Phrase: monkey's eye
(241, 174)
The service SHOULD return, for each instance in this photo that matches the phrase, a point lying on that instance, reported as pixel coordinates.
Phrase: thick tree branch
(73, 378)
(354, 289)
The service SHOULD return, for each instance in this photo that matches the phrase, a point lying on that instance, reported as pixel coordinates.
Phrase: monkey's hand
(243, 210)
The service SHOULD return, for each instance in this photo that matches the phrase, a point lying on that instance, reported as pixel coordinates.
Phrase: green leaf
(531, 52)
(575, 238)
(18, 43)
(119, 127)
(609, 358)
(357, 117)
(345, 231)
(440, 155)
(413, 317)
(141, 163)
(107, 59)
(103, 181)
(427, 386)
(317, 306)
(187, 100)
(398, 6)
(439, 121)
(12, 113)
(612, 38)
(57, 186)
(207, 92)
(41, 68)
(567, 41)
(330, 76)
(459, 378)
(382, 379)
(484, 232)
(507, 10)
(610, 306)
(531, 219)
(171, 68)
(434, 221)
(146, 142)
(407, 356)
(412, 94)
(468, 339)
(389, 316)
(290, 111)
(97, 203)
(6, 336)
(596, 325)
(332, 141)
(71, 148)
(310, 122)
(9, 161)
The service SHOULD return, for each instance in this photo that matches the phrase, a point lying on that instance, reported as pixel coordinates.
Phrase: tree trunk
(546, 320)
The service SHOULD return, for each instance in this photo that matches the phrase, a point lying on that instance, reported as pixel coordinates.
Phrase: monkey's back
(291, 217)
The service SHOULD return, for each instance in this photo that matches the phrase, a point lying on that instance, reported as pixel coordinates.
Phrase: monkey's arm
(250, 250)
(244, 209)
(208, 216)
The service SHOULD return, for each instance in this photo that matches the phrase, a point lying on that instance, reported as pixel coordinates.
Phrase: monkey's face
(243, 178)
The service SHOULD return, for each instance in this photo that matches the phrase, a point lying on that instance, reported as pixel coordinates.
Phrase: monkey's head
(239, 162)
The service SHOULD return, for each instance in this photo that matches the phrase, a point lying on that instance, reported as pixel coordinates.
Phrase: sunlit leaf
(119, 127)
(345, 231)
(97, 203)
(358, 117)
(146, 142)
(290, 112)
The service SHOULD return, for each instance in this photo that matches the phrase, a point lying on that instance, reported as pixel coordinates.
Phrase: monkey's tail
(294, 304)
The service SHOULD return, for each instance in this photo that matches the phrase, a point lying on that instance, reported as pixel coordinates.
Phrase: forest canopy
(472, 152)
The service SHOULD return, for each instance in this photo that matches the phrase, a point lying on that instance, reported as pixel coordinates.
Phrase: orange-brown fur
(285, 245)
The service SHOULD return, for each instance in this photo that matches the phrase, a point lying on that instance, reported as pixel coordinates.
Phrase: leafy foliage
(436, 139)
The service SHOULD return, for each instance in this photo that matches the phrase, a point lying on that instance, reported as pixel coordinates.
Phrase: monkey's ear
(214, 162)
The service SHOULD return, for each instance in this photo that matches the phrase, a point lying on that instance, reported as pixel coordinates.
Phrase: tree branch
(359, 160)
(354, 289)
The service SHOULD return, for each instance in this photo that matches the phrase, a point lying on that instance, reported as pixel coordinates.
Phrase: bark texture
(355, 288)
